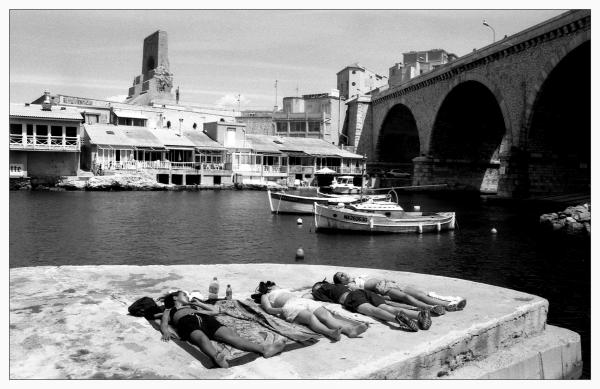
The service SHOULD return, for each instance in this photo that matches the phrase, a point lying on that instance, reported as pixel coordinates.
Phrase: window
(71, 131)
(353, 83)
(297, 126)
(354, 72)
(314, 126)
(92, 118)
(281, 126)
(41, 130)
(30, 129)
(16, 128)
(56, 130)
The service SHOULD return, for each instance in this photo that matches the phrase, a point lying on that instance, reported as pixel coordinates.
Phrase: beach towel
(250, 322)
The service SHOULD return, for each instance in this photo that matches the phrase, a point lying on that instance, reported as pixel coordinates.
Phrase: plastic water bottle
(228, 293)
(213, 289)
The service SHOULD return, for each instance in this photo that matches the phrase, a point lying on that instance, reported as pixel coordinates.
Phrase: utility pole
(275, 95)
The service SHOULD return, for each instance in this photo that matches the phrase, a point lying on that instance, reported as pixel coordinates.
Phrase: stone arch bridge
(512, 118)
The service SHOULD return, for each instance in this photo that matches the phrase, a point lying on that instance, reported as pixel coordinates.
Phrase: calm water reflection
(143, 228)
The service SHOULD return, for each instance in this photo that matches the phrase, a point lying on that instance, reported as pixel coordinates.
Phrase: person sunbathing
(370, 304)
(195, 322)
(408, 295)
(279, 301)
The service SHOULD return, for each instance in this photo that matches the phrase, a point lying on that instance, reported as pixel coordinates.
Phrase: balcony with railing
(180, 167)
(44, 143)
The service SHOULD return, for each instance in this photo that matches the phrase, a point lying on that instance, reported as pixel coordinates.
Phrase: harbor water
(208, 227)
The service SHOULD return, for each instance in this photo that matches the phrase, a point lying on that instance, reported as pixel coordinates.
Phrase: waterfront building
(257, 121)
(355, 79)
(416, 63)
(258, 159)
(318, 116)
(44, 141)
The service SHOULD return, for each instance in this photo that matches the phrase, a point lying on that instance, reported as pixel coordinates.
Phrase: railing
(301, 169)
(44, 142)
(158, 165)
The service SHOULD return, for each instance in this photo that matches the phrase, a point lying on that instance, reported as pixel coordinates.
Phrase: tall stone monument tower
(156, 81)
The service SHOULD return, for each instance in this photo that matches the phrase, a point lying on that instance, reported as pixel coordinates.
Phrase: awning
(213, 150)
(325, 170)
(150, 148)
(296, 153)
(124, 113)
(106, 147)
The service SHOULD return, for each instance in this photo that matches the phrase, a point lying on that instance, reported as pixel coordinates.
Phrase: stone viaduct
(512, 118)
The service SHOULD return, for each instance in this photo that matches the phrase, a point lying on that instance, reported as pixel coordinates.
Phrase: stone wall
(513, 70)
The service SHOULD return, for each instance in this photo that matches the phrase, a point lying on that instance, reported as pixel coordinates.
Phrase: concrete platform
(72, 322)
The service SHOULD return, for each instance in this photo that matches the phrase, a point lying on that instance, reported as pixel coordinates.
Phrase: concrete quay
(72, 322)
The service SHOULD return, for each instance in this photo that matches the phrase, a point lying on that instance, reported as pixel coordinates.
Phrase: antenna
(275, 94)
(297, 88)
(238, 100)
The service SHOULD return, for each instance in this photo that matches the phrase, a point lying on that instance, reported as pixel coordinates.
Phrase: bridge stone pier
(512, 118)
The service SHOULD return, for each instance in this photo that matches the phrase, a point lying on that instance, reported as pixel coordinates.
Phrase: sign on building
(17, 170)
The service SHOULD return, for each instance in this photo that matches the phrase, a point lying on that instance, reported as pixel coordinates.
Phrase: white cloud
(116, 98)
(231, 100)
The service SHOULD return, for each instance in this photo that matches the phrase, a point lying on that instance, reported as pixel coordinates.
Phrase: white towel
(445, 298)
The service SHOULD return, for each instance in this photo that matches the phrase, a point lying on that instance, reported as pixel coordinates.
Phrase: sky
(216, 55)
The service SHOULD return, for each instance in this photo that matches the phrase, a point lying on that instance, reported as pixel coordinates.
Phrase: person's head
(341, 278)
(176, 297)
(318, 285)
(263, 288)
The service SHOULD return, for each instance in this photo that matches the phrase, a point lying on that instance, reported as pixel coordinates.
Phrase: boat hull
(286, 203)
(343, 219)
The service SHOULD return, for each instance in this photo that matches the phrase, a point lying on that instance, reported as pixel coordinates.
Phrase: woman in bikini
(195, 322)
(408, 295)
(371, 304)
(279, 301)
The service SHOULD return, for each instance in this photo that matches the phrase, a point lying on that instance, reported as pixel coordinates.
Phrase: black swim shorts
(359, 297)
(190, 323)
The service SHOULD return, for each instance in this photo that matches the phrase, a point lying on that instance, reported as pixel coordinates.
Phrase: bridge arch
(399, 136)
(558, 127)
(469, 129)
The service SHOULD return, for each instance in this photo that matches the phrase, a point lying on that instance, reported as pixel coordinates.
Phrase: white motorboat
(380, 217)
(344, 185)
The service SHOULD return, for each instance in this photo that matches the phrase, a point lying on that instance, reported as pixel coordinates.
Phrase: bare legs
(200, 339)
(403, 297)
(227, 335)
(307, 318)
(348, 329)
(422, 296)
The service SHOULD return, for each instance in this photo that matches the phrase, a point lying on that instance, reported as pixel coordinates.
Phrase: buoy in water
(494, 231)
(300, 253)
(299, 221)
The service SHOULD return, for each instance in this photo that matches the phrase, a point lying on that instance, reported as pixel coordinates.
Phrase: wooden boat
(281, 202)
(357, 217)
(359, 197)
(344, 185)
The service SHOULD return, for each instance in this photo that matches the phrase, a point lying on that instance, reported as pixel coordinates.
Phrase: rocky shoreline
(121, 182)
(573, 220)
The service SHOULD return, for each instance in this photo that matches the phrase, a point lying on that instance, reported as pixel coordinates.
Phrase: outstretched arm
(164, 326)
(266, 305)
(206, 309)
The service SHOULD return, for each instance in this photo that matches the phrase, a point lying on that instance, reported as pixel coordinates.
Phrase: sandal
(424, 319)
(405, 321)
(457, 305)
(438, 310)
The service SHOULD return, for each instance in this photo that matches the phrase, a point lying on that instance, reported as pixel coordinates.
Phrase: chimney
(46, 105)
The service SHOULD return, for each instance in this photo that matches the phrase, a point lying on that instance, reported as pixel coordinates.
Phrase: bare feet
(220, 360)
(273, 349)
(335, 334)
(355, 331)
